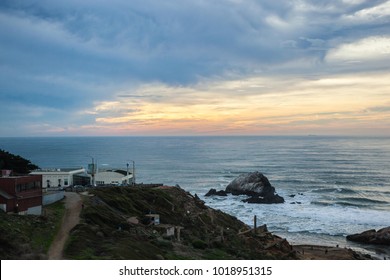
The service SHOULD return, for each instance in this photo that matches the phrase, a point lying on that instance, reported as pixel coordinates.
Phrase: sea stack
(255, 185)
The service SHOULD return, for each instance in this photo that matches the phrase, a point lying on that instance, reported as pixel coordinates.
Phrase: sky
(194, 67)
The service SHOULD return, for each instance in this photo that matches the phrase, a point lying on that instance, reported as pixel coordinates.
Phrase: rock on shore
(372, 236)
(253, 184)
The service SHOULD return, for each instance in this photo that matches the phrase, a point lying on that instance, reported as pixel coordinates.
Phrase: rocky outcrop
(253, 184)
(372, 236)
(264, 200)
(215, 192)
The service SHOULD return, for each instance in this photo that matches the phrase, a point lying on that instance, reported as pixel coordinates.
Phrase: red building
(21, 194)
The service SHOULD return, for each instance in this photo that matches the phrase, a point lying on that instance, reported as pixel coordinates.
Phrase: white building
(60, 177)
(113, 177)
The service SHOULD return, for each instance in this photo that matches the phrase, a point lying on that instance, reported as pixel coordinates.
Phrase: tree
(15, 163)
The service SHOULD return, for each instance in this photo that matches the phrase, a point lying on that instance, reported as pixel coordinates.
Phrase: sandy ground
(71, 218)
(315, 252)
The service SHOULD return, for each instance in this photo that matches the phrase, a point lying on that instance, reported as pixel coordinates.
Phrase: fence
(49, 198)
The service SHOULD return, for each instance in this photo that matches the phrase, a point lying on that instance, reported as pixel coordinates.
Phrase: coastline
(343, 192)
(318, 252)
(328, 175)
(374, 251)
(380, 252)
(113, 219)
(203, 229)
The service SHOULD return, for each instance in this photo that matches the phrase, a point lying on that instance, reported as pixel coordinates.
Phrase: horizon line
(199, 135)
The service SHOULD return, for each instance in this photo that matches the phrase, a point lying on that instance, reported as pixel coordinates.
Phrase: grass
(44, 236)
(104, 232)
(29, 237)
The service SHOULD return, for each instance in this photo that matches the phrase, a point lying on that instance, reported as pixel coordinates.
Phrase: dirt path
(71, 218)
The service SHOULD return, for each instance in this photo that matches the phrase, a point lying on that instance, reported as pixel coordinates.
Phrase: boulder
(253, 184)
(372, 236)
(256, 185)
(215, 192)
(268, 200)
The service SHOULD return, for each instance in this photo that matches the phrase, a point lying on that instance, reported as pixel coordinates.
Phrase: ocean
(333, 186)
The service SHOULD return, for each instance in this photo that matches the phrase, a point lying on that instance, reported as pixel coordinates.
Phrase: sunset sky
(194, 67)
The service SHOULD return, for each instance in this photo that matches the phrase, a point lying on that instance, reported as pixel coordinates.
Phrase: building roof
(123, 172)
(19, 176)
(69, 170)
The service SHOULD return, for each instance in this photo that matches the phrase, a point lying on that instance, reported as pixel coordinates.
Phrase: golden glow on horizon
(354, 104)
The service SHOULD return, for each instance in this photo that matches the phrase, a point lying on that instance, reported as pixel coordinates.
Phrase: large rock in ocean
(255, 185)
(381, 236)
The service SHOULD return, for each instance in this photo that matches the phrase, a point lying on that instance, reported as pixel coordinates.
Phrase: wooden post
(178, 233)
(178, 228)
(254, 224)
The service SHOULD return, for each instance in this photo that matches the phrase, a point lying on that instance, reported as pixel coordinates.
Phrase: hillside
(114, 226)
(29, 237)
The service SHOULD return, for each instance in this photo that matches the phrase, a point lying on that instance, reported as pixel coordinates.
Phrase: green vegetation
(29, 237)
(15, 163)
(114, 226)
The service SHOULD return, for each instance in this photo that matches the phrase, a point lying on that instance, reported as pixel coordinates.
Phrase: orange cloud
(256, 105)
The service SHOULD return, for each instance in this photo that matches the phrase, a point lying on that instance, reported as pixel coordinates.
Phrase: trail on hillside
(71, 218)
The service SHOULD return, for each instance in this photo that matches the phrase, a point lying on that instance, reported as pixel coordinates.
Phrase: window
(30, 185)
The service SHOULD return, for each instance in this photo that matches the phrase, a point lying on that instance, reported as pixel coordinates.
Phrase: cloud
(139, 40)
(251, 106)
(373, 14)
(364, 50)
(172, 65)
(379, 109)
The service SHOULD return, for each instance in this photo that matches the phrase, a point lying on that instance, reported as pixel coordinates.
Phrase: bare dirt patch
(73, 204)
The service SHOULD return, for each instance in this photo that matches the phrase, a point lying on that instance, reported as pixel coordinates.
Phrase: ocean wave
(380, 193)
(315, 232)
(349, 201)
(335, 190)
(349, 204)
(322, 203)
(364, 200)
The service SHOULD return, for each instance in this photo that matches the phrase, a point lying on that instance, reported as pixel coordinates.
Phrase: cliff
(153, 222)
(165, 223)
